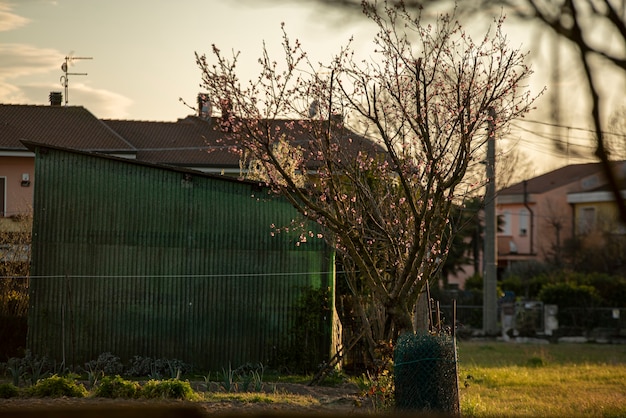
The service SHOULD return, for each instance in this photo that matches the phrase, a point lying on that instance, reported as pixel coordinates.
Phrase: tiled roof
(189, 142)
(70, 127)
(194, 142)
(553, 179)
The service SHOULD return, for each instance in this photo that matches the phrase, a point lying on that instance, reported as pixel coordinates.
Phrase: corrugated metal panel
(138, 260)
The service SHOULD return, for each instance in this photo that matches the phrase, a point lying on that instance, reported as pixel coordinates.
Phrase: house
(71, 127)
(194, 142)
(135, 258)
(595, 212)
(538, 215)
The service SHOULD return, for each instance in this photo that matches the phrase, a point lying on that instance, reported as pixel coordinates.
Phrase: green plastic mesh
(425, 374)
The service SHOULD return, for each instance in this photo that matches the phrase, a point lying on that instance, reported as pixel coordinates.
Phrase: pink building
(536, 217)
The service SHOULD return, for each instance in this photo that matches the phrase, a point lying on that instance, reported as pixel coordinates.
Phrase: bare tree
(577, 21)
(384, 207)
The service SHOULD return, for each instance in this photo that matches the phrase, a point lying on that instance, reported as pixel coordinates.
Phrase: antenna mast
(64, 78)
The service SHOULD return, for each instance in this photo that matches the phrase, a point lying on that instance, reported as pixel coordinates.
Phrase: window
(587, 220)
(523, 222)
(506, 227)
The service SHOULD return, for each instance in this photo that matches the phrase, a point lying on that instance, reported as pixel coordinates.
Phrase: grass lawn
(555, 380)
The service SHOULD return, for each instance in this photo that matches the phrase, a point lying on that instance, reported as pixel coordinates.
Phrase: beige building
(539, 214)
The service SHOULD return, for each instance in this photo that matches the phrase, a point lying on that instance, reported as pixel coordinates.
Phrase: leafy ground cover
(504, 379)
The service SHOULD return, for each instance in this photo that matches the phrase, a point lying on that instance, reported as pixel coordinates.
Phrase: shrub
(116, 387)
(569, 295)
(56, 387)
(7, 390)
(106, 363)
(157, 368)
(168, 389)
(573, 301)
(612, 289)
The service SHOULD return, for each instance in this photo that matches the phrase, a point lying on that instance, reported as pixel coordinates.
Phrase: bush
(157, 368)
(168, 389)
(611, 289)
(527, 287)
(56, 387)
(116, 387)
(106, 363)
(573, 301)
(569, 295)
(7, 390)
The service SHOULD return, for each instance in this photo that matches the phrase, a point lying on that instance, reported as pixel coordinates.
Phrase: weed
(535, 362)
(56, 387)
(7, 390)
(116, 387)
(168, 389)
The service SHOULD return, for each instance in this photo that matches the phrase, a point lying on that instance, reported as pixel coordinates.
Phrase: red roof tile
(195, 142)
(69, 127)
(189, 142)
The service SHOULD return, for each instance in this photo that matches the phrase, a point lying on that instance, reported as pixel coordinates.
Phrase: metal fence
(530, 318)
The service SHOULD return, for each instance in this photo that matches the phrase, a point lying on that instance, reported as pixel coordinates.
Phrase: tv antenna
(69, 60)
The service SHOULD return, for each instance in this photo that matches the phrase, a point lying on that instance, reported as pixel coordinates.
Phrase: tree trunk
(421, 315)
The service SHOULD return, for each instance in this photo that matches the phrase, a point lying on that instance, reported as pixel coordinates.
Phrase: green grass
(502, 379)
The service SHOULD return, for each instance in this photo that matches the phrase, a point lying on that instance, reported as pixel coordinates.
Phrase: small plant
(116, 387)
(168, 389)
(106, 364)
(7, 390)
(257, 380)
(56, 387)
(228, 379)
(15, 367)
(207, 382)
(93, 376)
(155, 369)
(35, 367)
(536, 361)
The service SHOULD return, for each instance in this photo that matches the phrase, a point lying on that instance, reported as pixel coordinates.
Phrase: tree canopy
(423, 99)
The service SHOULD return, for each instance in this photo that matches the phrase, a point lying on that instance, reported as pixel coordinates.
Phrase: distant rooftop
(554, 179)
(70, 127)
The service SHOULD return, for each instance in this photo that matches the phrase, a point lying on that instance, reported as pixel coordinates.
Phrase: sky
(142, 50)
(143, 56)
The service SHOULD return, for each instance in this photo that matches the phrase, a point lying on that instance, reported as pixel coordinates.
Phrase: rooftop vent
(56, 98)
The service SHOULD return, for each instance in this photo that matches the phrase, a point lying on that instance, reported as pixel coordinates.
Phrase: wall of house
(138, 260)
(597, 217)
(553, 217)
(18, 199)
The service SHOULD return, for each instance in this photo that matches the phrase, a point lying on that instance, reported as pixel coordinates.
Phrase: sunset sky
(143, 50)
(143, 55)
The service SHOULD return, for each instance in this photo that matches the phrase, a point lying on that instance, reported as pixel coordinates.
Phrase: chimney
(204, 107)
(56, 98)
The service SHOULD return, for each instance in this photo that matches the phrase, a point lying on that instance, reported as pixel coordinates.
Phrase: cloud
(17, 60)
(9, 20)
(103, 104)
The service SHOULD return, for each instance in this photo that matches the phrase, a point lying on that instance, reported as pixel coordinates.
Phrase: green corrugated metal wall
(134, 259)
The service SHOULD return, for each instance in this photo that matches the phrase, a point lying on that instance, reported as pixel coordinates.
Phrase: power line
(557, 125)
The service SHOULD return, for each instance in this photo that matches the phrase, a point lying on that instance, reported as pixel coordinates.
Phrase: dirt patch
(341, 400)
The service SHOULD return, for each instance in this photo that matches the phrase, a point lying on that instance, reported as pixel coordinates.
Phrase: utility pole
(490, 277)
